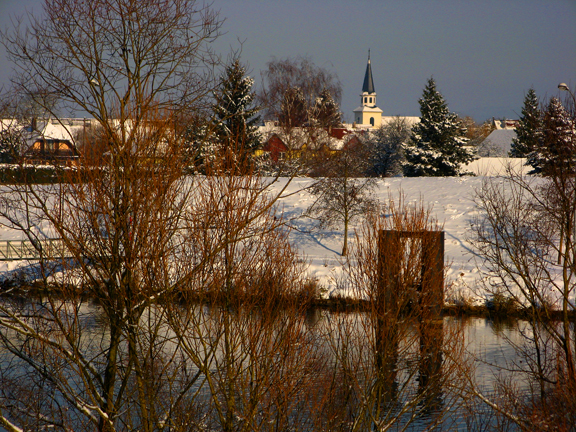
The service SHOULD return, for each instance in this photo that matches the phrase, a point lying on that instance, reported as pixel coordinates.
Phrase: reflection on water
(310, 371)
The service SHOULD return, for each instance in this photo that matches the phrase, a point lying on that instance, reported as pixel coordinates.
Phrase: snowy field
(451, 201)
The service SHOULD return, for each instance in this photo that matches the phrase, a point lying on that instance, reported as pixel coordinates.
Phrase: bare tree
(191, 279)
(526, 238)
(133, 66)
(342, 194)
(385, 148)
(303, 98)
(299, 75)
(293, 109)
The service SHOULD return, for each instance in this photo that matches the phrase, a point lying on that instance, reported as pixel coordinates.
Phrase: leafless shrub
(397, 362)
(526, 238)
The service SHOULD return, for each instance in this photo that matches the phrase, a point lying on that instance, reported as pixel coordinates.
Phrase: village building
(46, 141)
(292, 143)
(499, 142)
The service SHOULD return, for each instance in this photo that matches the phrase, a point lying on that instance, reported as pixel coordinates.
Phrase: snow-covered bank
(451, 203)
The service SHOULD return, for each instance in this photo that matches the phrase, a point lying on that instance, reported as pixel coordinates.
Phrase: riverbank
(451, 203)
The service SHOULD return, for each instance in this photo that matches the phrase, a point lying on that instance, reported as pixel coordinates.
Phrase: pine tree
(236, 122)
(529, 127)
(10, 142)
(199, 149)
(437, 144)
(293, 110)
(555, 152)
(326, 112)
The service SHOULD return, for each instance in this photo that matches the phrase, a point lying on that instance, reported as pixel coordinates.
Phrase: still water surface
(481, 347)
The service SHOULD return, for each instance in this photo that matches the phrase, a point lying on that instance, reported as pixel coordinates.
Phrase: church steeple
(368, 86)
(368, 96)
(368, 113)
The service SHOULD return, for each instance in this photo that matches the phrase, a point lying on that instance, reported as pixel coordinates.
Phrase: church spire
(368, 112)
(368, 86)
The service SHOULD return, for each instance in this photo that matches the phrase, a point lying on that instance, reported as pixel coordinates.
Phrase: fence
(15, 250)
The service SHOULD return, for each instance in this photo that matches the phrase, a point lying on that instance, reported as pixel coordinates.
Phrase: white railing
(13, 250)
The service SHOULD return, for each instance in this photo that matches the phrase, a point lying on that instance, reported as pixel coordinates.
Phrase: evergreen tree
(555, 152)
(236, 122)
(437, 145)
(528, 129)
(293, 110)
(10, 142)
(326, 112)
(199, 149)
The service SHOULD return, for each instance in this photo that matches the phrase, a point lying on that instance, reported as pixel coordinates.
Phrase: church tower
(368, 113)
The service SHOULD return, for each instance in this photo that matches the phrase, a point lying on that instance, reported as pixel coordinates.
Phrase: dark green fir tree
(437, 145)
(10, 143)
(529, 127)
(293, 110)
(235, 115)
(554, 154)
(326, 112)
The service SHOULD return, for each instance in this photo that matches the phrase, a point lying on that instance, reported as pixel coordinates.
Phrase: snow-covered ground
(451, 201)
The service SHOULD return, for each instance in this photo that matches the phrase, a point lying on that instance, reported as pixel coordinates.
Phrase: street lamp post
(564, 87)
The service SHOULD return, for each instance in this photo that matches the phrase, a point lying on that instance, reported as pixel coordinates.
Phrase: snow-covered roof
(410, 120)
(365, 108)
(314, 138)
(59, 131)
(501, 139)
(497, 166)
(52, 129)
(505, 124)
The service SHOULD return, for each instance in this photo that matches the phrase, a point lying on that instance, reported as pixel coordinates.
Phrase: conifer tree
(10, 141)
(293, 110)
(199, 149)
(555, 152)
(326, 112)
(437, 144)
(529, 126)
(236, 120)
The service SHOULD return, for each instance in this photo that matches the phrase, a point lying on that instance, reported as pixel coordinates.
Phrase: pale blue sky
(483, 54)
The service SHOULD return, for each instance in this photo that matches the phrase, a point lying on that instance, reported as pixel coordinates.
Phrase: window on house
(372, 121)
(370, 100)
